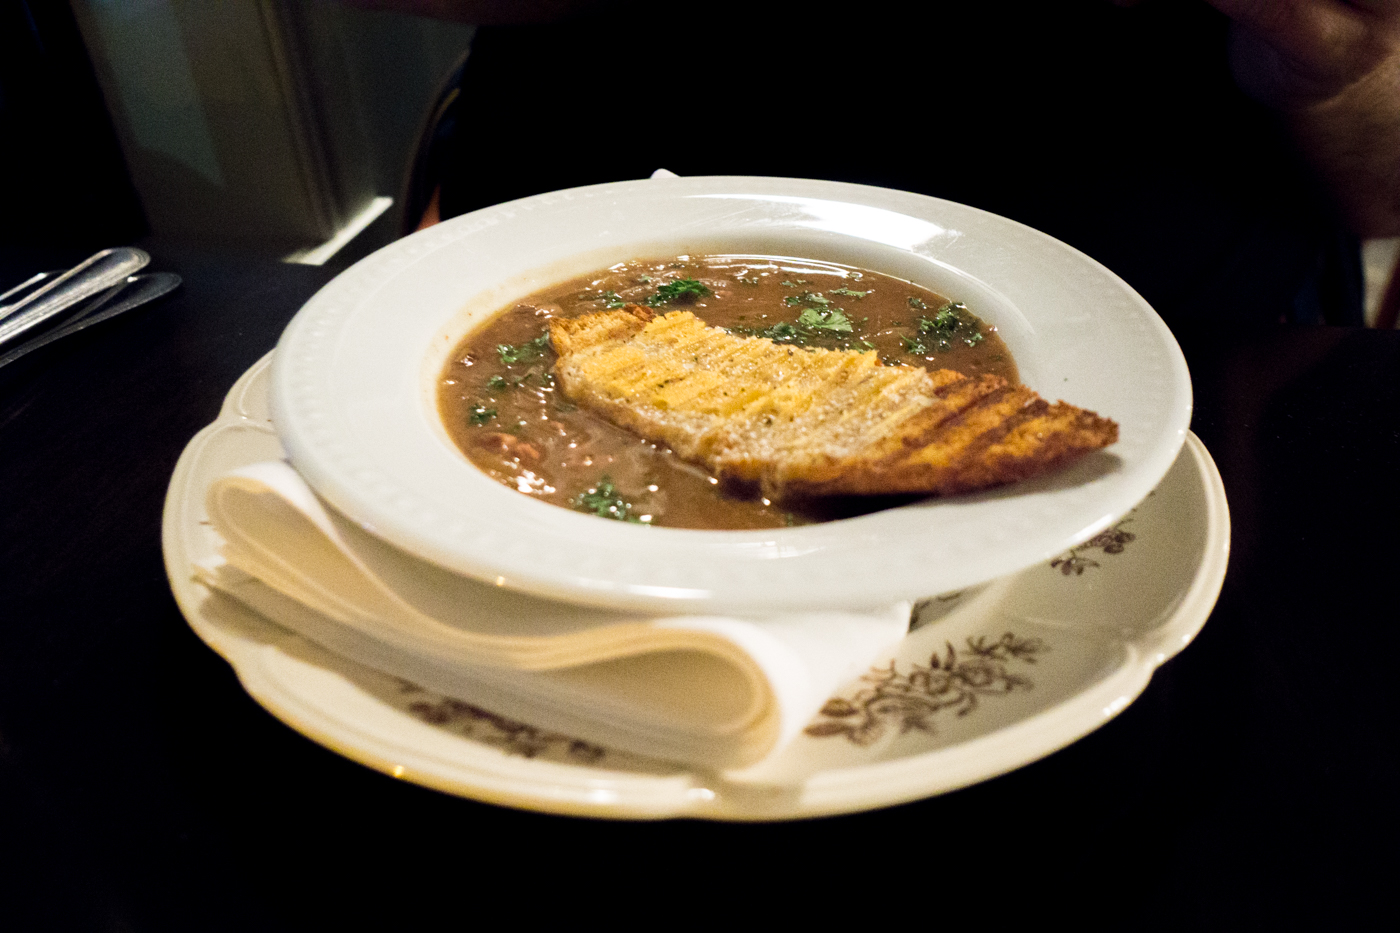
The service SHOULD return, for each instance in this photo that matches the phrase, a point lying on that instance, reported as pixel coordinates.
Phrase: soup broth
(503, 408)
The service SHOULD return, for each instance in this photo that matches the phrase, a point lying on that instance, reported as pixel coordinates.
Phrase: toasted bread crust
(812, 422)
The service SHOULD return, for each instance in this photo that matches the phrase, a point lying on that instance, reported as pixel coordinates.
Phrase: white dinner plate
(354, 384)
(992, 679)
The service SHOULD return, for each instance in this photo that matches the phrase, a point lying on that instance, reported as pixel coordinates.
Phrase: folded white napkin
(713, 691)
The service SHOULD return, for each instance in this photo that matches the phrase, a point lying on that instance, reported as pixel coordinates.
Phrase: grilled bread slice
(812, 422)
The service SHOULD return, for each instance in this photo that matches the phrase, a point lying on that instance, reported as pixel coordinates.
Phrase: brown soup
(501, 405)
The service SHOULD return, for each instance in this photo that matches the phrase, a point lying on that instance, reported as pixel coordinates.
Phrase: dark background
(57, 137)
(1253, 785)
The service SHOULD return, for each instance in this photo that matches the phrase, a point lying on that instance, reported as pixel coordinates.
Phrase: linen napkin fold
(713, 691)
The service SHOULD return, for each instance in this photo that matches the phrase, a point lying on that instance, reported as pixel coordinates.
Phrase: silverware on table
(134, 291)
(27, 284)
(96, 274)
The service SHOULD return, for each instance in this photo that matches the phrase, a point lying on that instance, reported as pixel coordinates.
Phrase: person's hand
(1298, 53)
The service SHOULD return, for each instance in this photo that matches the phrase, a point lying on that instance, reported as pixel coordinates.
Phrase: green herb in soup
(680, 291)
(524, 352)
(604, 500)
(503, 408)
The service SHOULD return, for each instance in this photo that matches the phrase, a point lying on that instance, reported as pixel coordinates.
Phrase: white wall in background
(263, 123)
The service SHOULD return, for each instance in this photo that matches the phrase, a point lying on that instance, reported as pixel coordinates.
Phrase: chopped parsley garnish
(833, 320)
(917, 304)
(546, 380)
(610, 300)
(681, 291)
(604, 500)
(526, 352)
(609, 297)
(782, 332)
(847, 292)
(480, 414)
(795, 283)
(943, 322)
(820, 320)
(812, 323)
(806, 298)
(950, 322)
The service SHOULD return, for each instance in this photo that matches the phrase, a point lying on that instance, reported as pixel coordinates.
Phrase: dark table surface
(1253, 785)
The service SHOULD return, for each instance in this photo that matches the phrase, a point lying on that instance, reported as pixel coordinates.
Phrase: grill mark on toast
(937, 424)
(998, 431)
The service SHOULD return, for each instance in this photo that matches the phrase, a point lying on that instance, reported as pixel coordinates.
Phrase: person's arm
(1331, 68)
